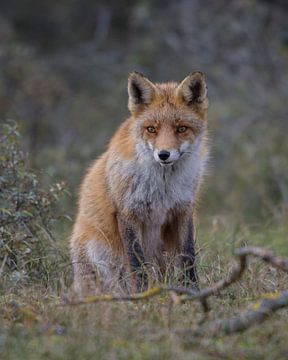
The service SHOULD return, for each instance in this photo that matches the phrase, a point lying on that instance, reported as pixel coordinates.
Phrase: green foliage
(28, 249)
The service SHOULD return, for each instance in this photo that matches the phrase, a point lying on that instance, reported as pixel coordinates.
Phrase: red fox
(137, 201)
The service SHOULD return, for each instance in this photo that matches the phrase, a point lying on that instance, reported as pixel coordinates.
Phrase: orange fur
(97, 244)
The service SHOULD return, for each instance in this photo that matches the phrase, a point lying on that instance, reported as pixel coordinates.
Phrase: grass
(32, 326)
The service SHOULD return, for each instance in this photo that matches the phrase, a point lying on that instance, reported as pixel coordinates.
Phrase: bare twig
(187, 294)
(236, 273)
(258, 313)
(103, 298)
(158, 290)
(264, 254)
(3, 264)
(234, 276)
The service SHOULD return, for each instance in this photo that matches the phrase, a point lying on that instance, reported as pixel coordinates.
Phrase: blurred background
(63, 78)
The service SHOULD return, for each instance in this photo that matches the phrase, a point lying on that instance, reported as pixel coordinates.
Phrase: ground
(34, 326)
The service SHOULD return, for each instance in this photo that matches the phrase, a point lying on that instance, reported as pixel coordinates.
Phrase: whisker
(186, 152)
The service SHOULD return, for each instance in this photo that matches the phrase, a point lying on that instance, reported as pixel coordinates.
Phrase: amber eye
(182, 129)
(151, 129)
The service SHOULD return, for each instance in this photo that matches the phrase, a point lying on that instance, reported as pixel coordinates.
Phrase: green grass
(32, 326)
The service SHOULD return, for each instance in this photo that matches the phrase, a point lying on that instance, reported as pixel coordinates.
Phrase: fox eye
(182, 129)
(151, 129)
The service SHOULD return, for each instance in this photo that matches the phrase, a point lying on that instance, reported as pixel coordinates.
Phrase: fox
(138, 200)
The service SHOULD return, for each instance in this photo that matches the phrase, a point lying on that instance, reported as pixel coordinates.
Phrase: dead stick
(234, 276)
(236, 273)
(190, 294)
(108, 297)
(264, 254)
(258, 313)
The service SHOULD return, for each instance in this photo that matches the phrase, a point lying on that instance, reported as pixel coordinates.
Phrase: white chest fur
(156, 189)
(153, 190)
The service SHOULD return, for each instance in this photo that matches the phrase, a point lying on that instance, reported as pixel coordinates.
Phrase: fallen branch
(158, 290)
(103, 298)
(264, 254)
(234, 276)
(237, 272)
(258, 313)
(187, 294)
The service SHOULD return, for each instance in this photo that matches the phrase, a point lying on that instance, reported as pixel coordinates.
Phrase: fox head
(169, 118)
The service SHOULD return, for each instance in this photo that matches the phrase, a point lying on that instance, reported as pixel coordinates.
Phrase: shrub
(28, 248)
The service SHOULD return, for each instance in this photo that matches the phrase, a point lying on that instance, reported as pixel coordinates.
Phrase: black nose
(163, 155)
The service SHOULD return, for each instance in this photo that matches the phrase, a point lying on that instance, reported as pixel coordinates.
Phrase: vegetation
(28, 248)
(35, 276)
(63, 73)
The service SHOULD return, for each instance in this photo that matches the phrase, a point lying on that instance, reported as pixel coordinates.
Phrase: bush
(28, 248)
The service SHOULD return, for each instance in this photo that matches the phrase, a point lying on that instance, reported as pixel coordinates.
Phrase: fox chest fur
(150, 191)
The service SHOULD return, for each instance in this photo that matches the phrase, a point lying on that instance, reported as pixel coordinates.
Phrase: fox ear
(193, 90)
(140, 90)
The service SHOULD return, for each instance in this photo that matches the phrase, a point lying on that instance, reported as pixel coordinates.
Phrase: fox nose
(163, 155)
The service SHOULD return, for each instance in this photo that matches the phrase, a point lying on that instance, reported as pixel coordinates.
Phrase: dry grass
(34, 327)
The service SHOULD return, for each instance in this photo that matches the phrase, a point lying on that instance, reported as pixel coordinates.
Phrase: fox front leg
(188, 255)
(134, 253)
